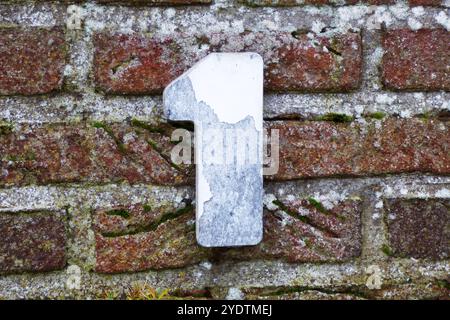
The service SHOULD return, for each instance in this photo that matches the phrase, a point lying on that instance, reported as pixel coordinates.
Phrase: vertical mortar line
(373, 228)
(81, 237)
(372, 53)
(79, 78)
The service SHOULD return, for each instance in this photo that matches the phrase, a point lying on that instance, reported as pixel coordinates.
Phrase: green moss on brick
(317, 204)
(154, 145)
(147, 208)
(387, 250)
(146, 126)
(29, 156)
(153, 226)
(426, 115)
(376, 115)
(171, 215)
(119, 212)
(336, 117)
(285, 209)
(443, 284)
(5, 128)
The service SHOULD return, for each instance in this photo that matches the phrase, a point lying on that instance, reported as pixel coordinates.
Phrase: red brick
(31, 242)
(130, 64)
(146, 240)
(300, 232)
(323, 149)
(31, 61)
(305, 65)
(416, 60)
(434, 3)
(130, 238)
(418, 228)
(134, 65)
(84, 153)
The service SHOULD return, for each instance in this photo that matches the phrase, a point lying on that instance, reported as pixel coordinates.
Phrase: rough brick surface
(87, 153)
(416, 60)
(140, 154)
(134, 65)
(318, 148)
(130, 64)
(146, 239)
(31, 242)
(134, 238)
(31, 61)
(425, 2)
(419, 228)
(300, 232)
(321, 65)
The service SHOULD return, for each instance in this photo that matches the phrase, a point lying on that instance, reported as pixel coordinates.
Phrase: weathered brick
(416, 60)
(143, 240)
(419, 228)
(132, 238)
(31, 61)
(304, 232)
(131, 64)
(32, 242)
(434, 3)
(322, 64)
(139, 154)
(321, 149)
(96, 153)
(283, 3)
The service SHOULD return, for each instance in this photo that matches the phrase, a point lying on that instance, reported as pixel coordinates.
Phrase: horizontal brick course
(159, 244)
(131, 64)
(416, 60)
(31, 60)
(134, 238)
(419, 228)
(426, 2)
(31, 242)
(95, 153)
(300, 232)
(321, 149)
(135, 154)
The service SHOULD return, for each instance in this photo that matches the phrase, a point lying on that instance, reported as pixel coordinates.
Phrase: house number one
(223, 95)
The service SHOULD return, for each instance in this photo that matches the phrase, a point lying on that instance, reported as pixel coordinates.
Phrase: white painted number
(223, 96)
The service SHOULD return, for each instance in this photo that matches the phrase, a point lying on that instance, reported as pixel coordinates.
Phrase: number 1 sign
(223, 95)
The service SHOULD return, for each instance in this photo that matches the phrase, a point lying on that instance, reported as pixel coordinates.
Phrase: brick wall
(92, 207)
